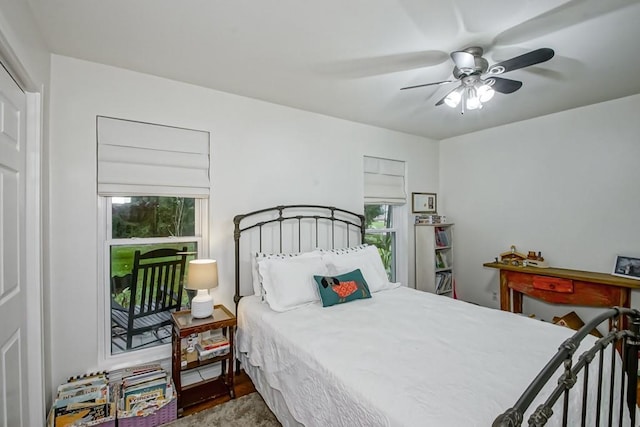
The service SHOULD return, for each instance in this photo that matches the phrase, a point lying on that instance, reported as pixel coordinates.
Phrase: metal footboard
(621, 341)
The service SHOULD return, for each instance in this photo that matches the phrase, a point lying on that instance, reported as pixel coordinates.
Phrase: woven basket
(165, 414)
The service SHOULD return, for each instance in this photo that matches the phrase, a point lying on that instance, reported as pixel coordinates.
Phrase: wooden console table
(561, 286)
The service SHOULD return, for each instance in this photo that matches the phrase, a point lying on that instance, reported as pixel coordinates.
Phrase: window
(145, 223)
(153, 187)
(384, 201)
(380, 232)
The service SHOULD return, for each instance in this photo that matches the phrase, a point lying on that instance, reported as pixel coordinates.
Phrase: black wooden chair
(156, 285)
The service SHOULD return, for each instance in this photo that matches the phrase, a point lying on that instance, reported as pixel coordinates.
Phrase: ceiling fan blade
(503, 85)
(531, 58)
(427, 84)
(463, 60)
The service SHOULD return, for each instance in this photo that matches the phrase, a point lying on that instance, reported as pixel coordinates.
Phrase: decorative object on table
(424, 203)
(627, 267)
(202, 276)
(191, 342)
(512, 257)
(534, 260)
(573, 321)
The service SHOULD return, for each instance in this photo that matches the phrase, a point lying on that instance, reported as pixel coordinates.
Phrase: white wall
(262, 155)
(564, 184)
(20, 32)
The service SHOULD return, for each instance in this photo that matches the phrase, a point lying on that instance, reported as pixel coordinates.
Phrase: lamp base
(202, 305)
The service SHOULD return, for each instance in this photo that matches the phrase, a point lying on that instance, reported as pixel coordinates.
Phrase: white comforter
(401, 358)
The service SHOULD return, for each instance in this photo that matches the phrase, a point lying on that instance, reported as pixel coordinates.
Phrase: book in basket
(74, 413)
(143, 378)
(145, 392)
(90, 393)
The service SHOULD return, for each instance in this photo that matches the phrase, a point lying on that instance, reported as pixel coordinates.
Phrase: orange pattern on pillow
(344, 289)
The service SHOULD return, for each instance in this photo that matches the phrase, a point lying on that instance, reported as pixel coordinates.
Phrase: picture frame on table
(424, 203)
(626, 266)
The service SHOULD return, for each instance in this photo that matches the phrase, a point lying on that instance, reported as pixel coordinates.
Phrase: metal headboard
(327, 216)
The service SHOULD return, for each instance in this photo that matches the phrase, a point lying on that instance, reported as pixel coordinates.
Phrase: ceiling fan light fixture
(472, 99)
(485, 92)
(453, 98)
(470, 67)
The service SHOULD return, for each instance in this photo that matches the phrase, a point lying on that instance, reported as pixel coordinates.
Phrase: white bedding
(401, 358)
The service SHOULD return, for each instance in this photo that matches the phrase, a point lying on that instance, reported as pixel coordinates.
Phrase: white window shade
(137, 158)
(384, 181)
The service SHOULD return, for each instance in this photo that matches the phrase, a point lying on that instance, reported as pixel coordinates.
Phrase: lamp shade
(202, 274)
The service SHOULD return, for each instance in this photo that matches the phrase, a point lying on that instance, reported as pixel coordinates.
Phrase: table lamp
(202, 276)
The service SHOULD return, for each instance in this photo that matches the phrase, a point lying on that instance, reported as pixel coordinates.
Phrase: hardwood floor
(243, 386)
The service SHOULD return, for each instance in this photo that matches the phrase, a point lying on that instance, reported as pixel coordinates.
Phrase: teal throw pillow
(342, 288)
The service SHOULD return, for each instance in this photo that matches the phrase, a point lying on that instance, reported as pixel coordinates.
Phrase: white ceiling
(349, 58)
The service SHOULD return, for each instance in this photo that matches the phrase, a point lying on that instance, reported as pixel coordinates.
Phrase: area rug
(249, 410)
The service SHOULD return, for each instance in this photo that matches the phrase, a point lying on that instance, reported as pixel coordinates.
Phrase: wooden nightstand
(184, 326)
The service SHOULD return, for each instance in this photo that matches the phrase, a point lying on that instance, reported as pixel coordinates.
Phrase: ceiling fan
(478, 81)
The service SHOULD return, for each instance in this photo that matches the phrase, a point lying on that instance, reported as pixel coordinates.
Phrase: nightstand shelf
(183, 327)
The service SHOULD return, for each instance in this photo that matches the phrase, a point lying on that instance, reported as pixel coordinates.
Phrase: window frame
(399, 252)
(105, 242)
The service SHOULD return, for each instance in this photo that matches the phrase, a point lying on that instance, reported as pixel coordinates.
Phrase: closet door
(14, 405)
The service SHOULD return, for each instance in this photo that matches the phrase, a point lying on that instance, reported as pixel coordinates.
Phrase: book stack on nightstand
(212, 344)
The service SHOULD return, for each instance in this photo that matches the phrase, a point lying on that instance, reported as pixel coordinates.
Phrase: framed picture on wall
(424, 203)
(627, 267)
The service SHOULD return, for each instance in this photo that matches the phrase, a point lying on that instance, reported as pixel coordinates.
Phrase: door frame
(33, 222)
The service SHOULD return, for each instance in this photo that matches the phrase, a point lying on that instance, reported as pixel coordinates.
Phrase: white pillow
(255, 274)
(288, 282)
(367, 259)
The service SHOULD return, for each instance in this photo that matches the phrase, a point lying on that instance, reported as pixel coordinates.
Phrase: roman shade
(136, 158)
(384, 181)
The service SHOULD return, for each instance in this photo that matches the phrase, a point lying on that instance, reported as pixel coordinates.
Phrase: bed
(399, 357)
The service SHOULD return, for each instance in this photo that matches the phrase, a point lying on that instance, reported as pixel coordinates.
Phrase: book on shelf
(442, 238)
(209, 344)
(211, 354)
(212, 344)
(438, 240)
(441, 260)
(443, 282)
